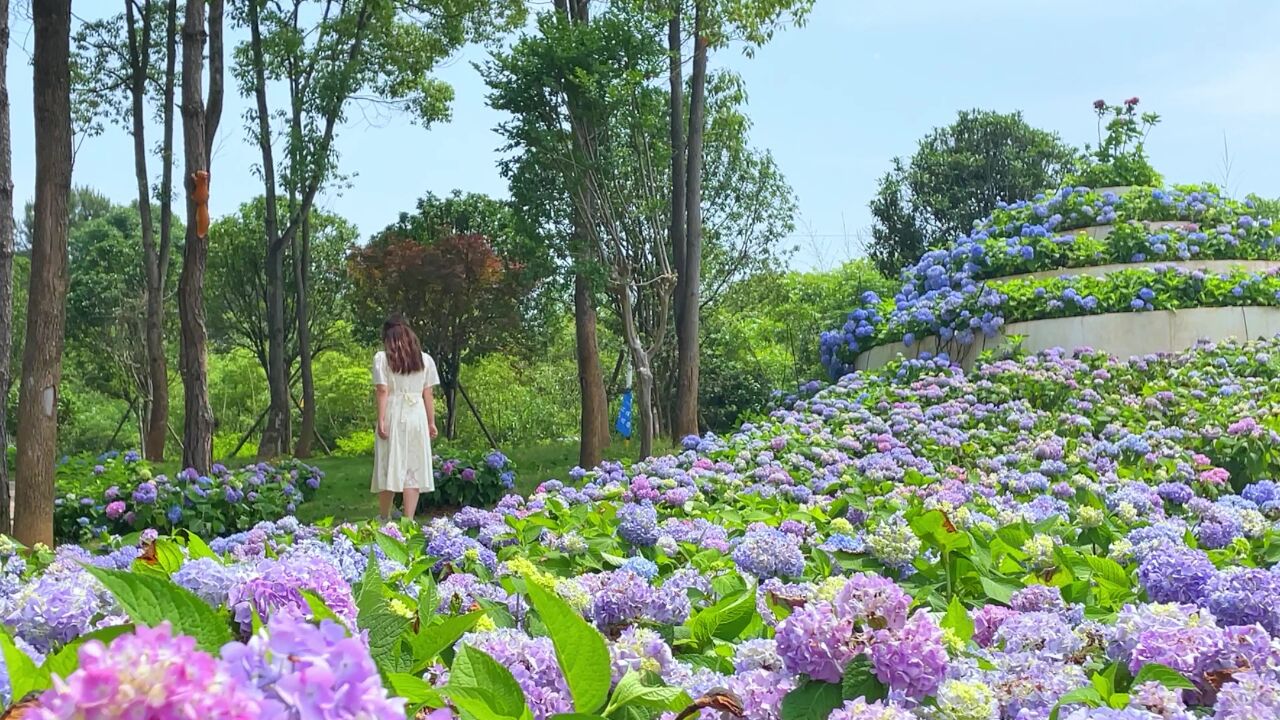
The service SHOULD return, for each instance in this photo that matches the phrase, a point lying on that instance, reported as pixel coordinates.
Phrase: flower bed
(1049, 536)
(956, 294)
(121, 494)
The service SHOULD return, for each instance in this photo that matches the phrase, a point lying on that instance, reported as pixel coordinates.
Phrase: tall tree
(6, 266)
(42, 349)
(200, 117)
(330, 54)
(128, 63)
(956, 176)
(715, 24)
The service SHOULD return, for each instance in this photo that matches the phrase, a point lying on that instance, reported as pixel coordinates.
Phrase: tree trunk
(301, 263)
(47, 297)
(199, 125)
(154, 390)
(677, 228)
(157, 356)
(6, 267)
(688, 299)
(276, 433)
(594, 428)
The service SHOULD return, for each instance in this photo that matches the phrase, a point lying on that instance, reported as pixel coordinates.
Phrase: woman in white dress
(403, 376)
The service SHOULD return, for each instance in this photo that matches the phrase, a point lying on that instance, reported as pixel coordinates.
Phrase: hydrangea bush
(956, 293)
(119, 493)
(1062, 536)
(462, 479)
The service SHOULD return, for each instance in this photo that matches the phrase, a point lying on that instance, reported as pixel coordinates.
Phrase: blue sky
(835, 101)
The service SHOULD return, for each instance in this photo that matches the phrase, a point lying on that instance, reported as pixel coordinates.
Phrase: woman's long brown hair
(404, 352)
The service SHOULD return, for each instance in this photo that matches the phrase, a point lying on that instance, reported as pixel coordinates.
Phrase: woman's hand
(382, 430)
(431, 428)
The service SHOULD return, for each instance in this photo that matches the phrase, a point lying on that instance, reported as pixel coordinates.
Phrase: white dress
(403, 460)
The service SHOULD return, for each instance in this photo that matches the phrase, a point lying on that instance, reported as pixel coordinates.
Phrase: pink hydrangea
(148, 674)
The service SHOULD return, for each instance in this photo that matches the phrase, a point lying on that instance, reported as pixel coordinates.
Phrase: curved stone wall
(1121, 334)
(1209, 266)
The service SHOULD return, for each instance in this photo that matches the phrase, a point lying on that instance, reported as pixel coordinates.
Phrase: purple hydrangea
(1244, 596)
(1175, 573)
(311, 671)
(638, 524)
(276, 585)
(912, 662)
(815, 641)
(768, 553)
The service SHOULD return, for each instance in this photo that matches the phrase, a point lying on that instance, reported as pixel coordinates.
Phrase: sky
(834, 101)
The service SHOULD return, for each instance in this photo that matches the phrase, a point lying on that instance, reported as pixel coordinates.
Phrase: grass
(345, 495)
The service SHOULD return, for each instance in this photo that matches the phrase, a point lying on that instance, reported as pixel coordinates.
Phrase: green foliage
(956, 175)
(1120, 157)
(151, 600)
(478, 479)
(580, 650)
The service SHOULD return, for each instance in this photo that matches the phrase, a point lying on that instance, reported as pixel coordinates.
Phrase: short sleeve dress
(403, 460)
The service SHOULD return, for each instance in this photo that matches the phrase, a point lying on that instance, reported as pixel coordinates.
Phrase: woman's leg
(384, 504)
(410, 502)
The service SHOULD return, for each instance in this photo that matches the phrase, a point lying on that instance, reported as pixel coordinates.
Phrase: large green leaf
(580, 650)
(726, 619)
(958, 621)
(860, 681)
(431, 641)
(632, 690)
(65, 661)
(150, 600)
(1163, 674)
(414, 689)
(24, 676)
(812, 700)
(197, 548)
(482, 687)
(394, 549)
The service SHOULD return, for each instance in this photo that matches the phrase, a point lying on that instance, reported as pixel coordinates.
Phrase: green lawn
(345, 493)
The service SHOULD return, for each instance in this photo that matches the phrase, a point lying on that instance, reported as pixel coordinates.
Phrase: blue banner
(623, 426)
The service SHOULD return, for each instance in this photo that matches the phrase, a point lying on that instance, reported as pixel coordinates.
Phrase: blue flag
(623, 425)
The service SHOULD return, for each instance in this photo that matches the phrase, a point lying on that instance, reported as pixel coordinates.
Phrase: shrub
(479, 479)
(120, 494)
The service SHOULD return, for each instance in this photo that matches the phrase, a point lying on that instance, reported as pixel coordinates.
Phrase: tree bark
(6, 267)
(157, 355)
(690, 271)
(155, 395)
(199, 126)
(594, 427)
(677, 229)
(46, 315)
(301, 263)
(276, 433)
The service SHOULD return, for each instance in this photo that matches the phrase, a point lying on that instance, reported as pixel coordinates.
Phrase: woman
(403, 376)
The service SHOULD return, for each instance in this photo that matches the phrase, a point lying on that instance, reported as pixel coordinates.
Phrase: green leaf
(576, 716)
(812, 700)
(169, 558)
(725, 620)
(319, 610)
(998, 590)
(580, 650)
(479, 685)
(197, 548)
(151, 600)
(393, 548)
(1163, 674)
(631, 690)
(1080, 696)
(1108, 571)
(67, 659)
(958, 621)
(860, 681)
(414, 689)
(24, 676)
(433, 640)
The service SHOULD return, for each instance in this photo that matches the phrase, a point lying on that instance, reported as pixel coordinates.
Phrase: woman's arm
(428, 398)
(381, 392)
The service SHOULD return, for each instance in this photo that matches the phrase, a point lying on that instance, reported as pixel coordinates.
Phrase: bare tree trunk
(594, 429)
(157, 356)
(690, 271)
(199, 126)
(643, 368)
(677, 229)
(276, 433)
(154, 395)
(301, 263)
(6, 267)
(47, 297)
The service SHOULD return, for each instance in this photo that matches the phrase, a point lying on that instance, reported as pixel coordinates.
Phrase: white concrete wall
(1208, 266)
(1121, 334)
